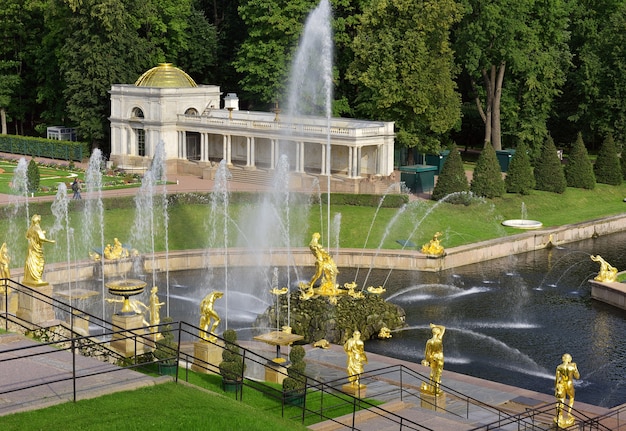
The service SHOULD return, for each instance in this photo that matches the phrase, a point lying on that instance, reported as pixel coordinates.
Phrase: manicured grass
(167, 407)
(417, 222)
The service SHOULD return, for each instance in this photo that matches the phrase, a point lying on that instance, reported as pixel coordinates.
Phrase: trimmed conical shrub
(579, 170)
(520, 178)
(607, 167)
(33, 176)
(549, 174)
(487, 180)
(452, 178)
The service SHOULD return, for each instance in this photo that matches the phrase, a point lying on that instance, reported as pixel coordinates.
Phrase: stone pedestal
(433, 402)
(80, 323)
(358, 391)
(275, 373)
(11, 301)
(35, 306)
(124, 342)
(209, 355)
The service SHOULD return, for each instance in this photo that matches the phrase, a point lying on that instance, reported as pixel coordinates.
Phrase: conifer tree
(549, 174)
(579, 170)
(33, 176)
(487, 180)
(452, 177)
(607, 167)
(520, 178)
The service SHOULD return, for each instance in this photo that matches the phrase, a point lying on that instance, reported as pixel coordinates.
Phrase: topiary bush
(487, 180)
(607, 167)
(33, 176)
(579, 170)
(520, 178)
(452, 178)
(296, 380)
(549, 174)
(232, 366)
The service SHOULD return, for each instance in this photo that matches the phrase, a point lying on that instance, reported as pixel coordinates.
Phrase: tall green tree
(519, 177)
(579, 170)
(607, 167)
(263, 60)
(405, 71)
(522, 43)
(487, 179)
(549, 174)
(592, 98)
(452, 178)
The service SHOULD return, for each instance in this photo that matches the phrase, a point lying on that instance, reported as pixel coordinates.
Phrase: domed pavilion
(199, 128)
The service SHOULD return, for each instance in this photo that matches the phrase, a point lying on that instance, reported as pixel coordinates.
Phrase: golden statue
(322, 344)
(324, 267)
(155, 307)
(608, 273)
(434, 248)
(117, 251)
(206, 314)
(433, 358)
(5, 271)
(566, 372)
(384, 333)
(355, 349)
(33, 268)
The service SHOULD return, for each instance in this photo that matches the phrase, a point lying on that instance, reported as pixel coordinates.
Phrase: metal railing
(399, 381)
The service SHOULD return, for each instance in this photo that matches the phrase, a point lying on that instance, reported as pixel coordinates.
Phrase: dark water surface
(508, 320)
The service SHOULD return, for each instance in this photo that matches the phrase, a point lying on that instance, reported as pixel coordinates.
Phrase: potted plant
(294, 386)
(232, 366)
(166, 350)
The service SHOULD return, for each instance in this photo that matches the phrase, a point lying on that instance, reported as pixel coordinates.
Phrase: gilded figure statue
(355, 350)
(207, 312)
(155, 307)
(115, 251)
(34, 266)
(325, 268)
(434, 247)
(433, 358)
(608, 273)
(384, 333)
(5, 272)
(566, 372)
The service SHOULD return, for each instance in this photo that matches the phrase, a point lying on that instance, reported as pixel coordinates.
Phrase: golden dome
(165, 76)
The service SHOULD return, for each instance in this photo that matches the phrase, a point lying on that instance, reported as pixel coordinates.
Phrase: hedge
(40, 147)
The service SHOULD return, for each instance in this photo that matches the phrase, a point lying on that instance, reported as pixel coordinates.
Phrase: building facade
(199, 129)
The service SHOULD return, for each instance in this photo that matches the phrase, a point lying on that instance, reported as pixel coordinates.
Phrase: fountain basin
(126, 288)
(522, 224)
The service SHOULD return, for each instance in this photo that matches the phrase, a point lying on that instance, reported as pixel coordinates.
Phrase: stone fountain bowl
(522, 224)
(126, 288)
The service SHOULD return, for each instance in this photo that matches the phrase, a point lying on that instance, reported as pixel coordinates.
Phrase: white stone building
(165, 104)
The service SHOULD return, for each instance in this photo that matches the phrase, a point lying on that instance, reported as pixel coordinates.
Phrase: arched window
(191, 111)
(137, 113)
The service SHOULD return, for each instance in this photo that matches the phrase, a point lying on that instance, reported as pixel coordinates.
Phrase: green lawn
(170, 406)
(166, 407)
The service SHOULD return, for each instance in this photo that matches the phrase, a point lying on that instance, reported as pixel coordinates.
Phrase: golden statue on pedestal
(5, 271)
(566, 372)
(117, 251)
(433, 358)
(324, 267)
(34, 265)
(207, 331)
(355, 349)
(434, 247)
(608, 273)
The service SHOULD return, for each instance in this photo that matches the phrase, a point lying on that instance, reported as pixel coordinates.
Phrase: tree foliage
(525, 42)
(519, 177)
(405, 70)
(33, 176)
(452, 177)
(607, 167)
(487, 180)
(549, 174)
(579, 170)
